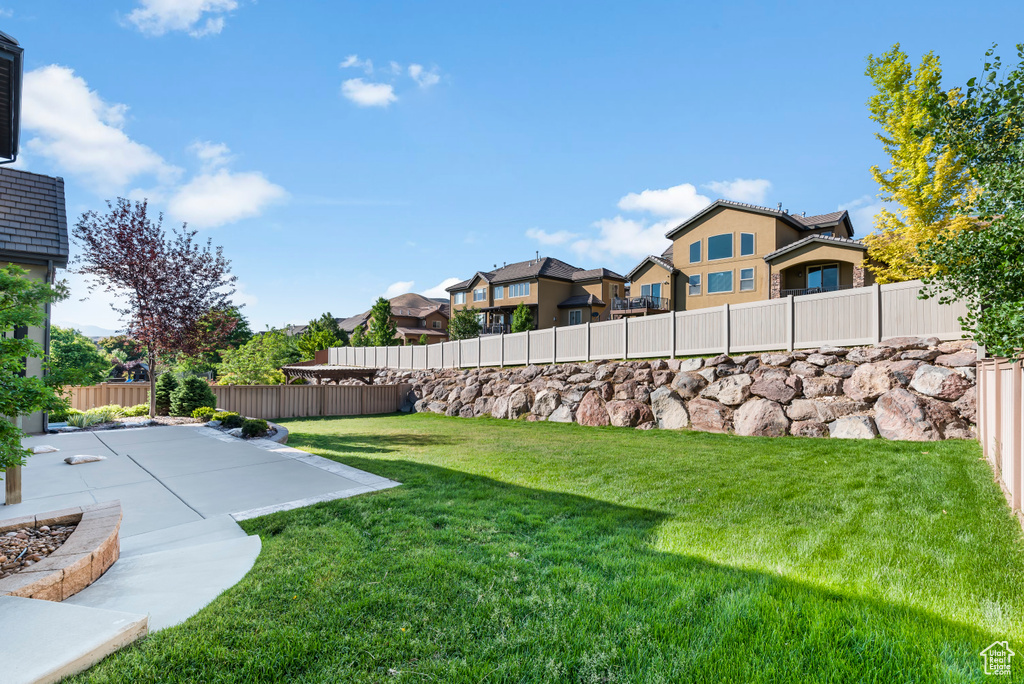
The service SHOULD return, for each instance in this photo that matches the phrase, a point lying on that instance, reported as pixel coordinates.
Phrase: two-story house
(732, 253)
(413, 315)
(557, 294)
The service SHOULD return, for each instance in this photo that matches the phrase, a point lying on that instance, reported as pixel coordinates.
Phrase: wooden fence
(1001, 425)
(862, 315)
(263, 401)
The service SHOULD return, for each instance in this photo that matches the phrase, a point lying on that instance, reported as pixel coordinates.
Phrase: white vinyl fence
(1001, 425)
(846, 318)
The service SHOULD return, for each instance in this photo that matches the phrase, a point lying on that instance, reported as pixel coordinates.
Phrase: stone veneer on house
(903, 388)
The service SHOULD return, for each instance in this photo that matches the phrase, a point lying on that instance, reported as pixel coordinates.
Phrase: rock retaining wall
(903, 388)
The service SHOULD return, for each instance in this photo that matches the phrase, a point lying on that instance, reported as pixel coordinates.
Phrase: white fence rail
(850, 317)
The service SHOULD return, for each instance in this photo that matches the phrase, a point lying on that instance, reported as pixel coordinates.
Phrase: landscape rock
(776, 359)
(840, 370)
(903, 371)
(967, 357)
(852, 427)
(808, 428)
(709, 416)
(545, 403)
(920, 354)
(810, 410)
(689, 385)
(89, 458)
(939, 382)
(562, 414)
(967, 405)
(592, 411)
(519, 404)
(761, 418)
(870, 354)
(629, 413)
(901, 414)
(774, 389)
(805, 369)
(869, 381)
(669, 409)
(824, 386)
(904, 343)
(731, 390)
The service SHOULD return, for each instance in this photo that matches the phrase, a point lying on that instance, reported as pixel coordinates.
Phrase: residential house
(34, 236)
(731, 252)
(414, 316)
(557, 294)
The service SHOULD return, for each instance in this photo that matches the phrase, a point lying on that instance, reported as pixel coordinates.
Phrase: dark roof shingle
(33, 217)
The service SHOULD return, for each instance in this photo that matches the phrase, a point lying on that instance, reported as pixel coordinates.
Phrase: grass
(540, 552)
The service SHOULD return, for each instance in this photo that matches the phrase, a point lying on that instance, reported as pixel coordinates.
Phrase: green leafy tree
(23, 303)
(321, 333)
(984, 265)
(192, 393)
(123, 347)
(522, 319)
(423, 339)
(258, 361)
(165, 386)
(382, 327)
(463, 325)
(74, 359)
(358, 338)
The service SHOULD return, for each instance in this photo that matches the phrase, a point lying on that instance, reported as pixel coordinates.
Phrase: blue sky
(342, 150)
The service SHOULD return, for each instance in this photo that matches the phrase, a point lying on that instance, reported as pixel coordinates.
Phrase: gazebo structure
(322, 374)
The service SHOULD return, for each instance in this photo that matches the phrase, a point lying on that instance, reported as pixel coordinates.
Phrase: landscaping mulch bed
(27, 546)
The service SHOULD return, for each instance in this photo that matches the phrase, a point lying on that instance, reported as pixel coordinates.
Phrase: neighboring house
(557, 294)
(731, 253)
(414, 315)
(33, 235)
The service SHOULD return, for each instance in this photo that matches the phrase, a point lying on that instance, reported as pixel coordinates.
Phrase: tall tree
(164, 284)
(463, 325)
(522, 319)
(382, 327)
(258, 361)
(74, 359)
(321, 333)
(23, 303)
(358, 338)
(124, 347)
(927, 179)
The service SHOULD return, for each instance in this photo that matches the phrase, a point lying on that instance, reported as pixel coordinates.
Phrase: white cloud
(368, 94)
(545, 238)
(83, 135)
(863, 211)
(424, 78)
(157, 17)
(211, 155)
(217, 197)
(749, 190)
(679, 200)
(399, 288)
(353, 62)
(439, 291)
(623, 237)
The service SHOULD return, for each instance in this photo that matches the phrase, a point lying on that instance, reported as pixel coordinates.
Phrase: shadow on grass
(369, 443)
(455, 577)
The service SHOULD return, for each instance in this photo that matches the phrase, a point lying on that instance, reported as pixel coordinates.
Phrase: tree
(192, 393)
(358, 338)
(522, 319)
(423, 339)
(258, 361)
(164, 284)
(74, 359)
(926, 178)
(984, 266)
(463, 325)
(124, 347)
(23, 303)
(165, 388)
(382, 327)
(321, 333)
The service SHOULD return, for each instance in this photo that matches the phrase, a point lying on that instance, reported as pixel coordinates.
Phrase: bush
(135, 411)
(106, 414)
(228, 420)
(166, 384)
(254, 427)
(83, 420)
(204, 413)
(63, 414)
(191, 394)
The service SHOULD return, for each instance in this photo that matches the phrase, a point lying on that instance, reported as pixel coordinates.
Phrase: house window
(824, 278)
(694, 282)
(720, 282)
(615, 290)
(480, 295)
(746, 279)
(437, 325)
(746, 245)
(719, 247)
(650, 290)
(459, 298)
(695, 252)
(575, 316)
(519, 290)
(499, 292)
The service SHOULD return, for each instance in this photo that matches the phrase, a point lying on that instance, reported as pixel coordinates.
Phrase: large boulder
(605, 372)
(453, 408)
(731, 390)
(467, 411)
(709, 373)
(808, 428)
(622, 374)
(592, 411)
(519, 402)
(562, 414)
(773, 359)
(903, 370)
(920, 354)
(901, 414)
(470, 394)
(868, 382)
(661, 377)
(852, 427)
(822, 360)
(482, 406)
(629, 413)
(687, 365)
(626, 390)
(774, 389)
(804, 369)
(870, 354)
(966, 357)
(689, 385)
(709, 416)
(841, 369)
(669, 409)
(939, 382)
(546, 402)
(824, 386)
(810, 410)
(499, 409)
(967, 405)
(762, 418)
(953, 346)
(904, 343)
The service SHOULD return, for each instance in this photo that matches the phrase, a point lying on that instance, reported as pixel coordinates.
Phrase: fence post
(672, 334)
(1015, 444)
(442, 354)
(528, 335)
(997, 404)
(501, 349)
(725, 328)
(554, 344)
(479, 348)
(588, 342)
(790, 322)
(876, 313)
(625, 338)
(458, 353)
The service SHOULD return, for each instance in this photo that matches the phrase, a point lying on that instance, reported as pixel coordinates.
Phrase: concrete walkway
(181, 489)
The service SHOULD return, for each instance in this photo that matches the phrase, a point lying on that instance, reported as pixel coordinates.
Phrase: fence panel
(434, 356)
(759, 326)
(515, 349)
(834, 318)
(468, 350)
(904, 315)
(451, 354)
(649, 336)
(607, 340)
(392, 357)
(699, 332)
(542, 346)
(1001, 426)
(254, 401)
(405, 357)
(572, 344)
(490, 350)
(419, 357)
(120, 393)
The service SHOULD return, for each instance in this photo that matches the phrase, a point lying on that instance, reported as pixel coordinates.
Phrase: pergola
(323, 374)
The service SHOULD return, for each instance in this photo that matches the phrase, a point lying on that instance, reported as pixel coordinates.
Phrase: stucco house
(413, 315)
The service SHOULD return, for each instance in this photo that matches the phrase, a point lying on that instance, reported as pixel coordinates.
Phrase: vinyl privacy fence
(850, 317)
(1001, 425)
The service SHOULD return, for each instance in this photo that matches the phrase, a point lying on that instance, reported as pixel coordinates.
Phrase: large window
(519, 290)
(694, 283)
(480, 294)
(459, 298)
(746, 279)
(719, 247)
(499, 291)
(575, 316)
(720, 282)
(650, 290)
(825, 278)
(746, 244)
(437, 325)
(695, 252)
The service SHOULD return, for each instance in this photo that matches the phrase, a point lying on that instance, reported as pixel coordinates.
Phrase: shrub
(166, 384)
(83, 420)
(106, 414)
(204, 413)
(228, 419)
(62, 415)
(254, 427)
(191, 394)
(135, 411)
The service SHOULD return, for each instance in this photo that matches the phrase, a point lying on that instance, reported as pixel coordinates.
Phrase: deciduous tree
(258, 361)
(463, 325)
(382, 327)
(522, 319)
(74, 359)
(321, 333)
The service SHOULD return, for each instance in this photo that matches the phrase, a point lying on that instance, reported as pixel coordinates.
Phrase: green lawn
(539, 552)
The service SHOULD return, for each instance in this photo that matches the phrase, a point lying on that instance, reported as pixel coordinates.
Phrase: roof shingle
(33, 217)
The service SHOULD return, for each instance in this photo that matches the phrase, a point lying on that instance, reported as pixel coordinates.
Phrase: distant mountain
(88, 330)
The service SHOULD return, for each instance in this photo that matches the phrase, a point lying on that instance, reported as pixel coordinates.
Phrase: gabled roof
(651, 259)
(545, 267)
(595, 274)
(33, 219)
(824, 239)
(799, 222)
(581, 300)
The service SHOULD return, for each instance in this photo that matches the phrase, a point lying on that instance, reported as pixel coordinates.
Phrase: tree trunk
(152, 387)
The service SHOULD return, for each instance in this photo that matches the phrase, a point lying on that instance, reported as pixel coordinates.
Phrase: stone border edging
(282, 433)
(81, 560)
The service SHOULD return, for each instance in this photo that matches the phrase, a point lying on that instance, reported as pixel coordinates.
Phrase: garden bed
(26, 546)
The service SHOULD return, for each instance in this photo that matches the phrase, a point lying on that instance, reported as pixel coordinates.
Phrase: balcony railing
(642, 303)
(496, 329)
(814, 290)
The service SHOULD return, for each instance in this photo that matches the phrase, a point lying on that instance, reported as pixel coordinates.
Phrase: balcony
(632, 306)
(497, 329)
(814, 290)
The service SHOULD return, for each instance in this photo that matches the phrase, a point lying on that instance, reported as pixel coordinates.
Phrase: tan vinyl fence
(263, 401)
(862, 315)
(1001, 425)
